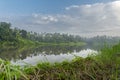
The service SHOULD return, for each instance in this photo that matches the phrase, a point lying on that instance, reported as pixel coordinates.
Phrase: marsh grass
(78, 69)
(10, 72)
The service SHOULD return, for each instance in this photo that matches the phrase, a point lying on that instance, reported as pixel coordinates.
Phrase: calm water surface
(32, 56)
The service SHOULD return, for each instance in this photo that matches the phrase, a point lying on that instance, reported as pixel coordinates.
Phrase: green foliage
(16, 36)
(6, 32)
(54, 38)
(10, 72)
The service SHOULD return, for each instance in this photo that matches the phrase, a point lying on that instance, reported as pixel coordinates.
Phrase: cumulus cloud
(43, 19)
(88, 20)
(100, 18)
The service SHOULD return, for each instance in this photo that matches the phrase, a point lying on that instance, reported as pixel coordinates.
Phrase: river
(34, 55)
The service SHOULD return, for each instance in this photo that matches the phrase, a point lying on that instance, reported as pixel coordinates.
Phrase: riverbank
(104, 66)
(25, 42)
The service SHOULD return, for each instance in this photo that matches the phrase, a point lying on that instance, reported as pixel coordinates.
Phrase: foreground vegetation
(104, 66)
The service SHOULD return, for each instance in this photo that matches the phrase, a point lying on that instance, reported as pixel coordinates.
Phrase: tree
(23, 33)
(5, 31)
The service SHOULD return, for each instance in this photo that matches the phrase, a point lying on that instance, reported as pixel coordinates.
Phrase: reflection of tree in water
(22, 53)
(14, 53)
(48, 50)
(58, 49)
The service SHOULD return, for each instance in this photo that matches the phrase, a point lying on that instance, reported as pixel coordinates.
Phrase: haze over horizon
(81, 17)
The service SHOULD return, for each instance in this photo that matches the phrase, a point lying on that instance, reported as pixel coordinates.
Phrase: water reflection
(33, 55)
(23, 52)
(33, 60)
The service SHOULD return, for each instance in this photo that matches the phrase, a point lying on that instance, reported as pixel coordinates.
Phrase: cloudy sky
(81, 17)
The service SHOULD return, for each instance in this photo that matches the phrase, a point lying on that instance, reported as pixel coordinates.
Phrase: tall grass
(110, 58)
(10, 72)
(78, 69)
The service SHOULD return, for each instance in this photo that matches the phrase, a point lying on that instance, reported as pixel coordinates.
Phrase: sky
(79, 17)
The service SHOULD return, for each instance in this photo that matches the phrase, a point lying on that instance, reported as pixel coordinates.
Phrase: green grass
(78, 69)
(63, 44)
(10, 72)
(25, 42)
(20, 43)
(104, 66)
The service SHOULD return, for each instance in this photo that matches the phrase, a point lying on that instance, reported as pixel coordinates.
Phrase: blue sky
(81, 17)
(40, 6)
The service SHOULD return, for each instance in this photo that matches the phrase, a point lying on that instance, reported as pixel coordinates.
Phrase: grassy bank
(78, 69)
(20, 43)
(104, 66)
(25, 42)
(62, 44)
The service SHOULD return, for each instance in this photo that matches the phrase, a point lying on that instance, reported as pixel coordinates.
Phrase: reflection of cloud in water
(54, 58)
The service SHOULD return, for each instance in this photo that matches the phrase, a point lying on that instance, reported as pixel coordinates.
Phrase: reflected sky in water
(33, 60)
(34, 55)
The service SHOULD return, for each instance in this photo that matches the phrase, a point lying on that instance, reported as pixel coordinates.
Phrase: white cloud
(43, 19)
(95, 18)
(73, 6)
(89, 19)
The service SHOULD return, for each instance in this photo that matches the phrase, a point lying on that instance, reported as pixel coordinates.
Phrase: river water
(32, 56)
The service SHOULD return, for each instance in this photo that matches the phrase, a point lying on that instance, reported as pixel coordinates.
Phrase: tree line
(13, 35)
